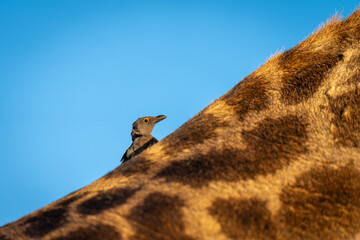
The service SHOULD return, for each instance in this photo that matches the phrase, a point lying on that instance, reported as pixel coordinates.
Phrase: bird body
(141, 136)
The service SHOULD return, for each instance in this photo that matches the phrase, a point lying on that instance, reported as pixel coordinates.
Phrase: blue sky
(75, 75)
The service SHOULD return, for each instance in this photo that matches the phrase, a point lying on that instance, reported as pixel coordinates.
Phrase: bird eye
(146, 120)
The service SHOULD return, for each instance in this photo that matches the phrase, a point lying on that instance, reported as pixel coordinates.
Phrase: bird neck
(138, 136)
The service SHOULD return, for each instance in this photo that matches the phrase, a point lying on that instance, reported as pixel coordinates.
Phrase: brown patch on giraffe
(138, 165)
(248, 95)
(92, 232)
(346, 121)
(3, 237)
(68, 201)
(195, 131)
(276, 140)
(272, 145)
(324, 203)
(304, 71)
(105, 200)
(243, 219)
(46, 222)
(159, 216)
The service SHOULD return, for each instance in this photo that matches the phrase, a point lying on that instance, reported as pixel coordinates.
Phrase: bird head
(144, 125)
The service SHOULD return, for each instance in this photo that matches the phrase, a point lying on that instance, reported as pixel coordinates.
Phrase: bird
(141, 136)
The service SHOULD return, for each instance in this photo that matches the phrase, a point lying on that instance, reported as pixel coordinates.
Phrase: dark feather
(124, 157)
(149, 143)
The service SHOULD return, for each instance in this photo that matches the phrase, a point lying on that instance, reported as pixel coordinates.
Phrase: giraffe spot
(141, 165)
(159, 216)
(243, 219)
(272, 145)
(345, 125)
(3, 237)
(46, 222)
(275, 141)
(324, 203)
(195, 131)
(68, 201)
(106, 200)
(92, 232)
(247, 96)
(303, 72)
(138, 165)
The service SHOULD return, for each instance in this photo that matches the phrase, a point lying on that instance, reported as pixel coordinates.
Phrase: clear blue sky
(74, 75)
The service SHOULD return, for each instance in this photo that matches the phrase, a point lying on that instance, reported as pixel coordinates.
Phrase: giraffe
(276, 157)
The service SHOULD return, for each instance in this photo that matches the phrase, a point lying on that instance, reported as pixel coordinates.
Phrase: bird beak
(159, 118)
